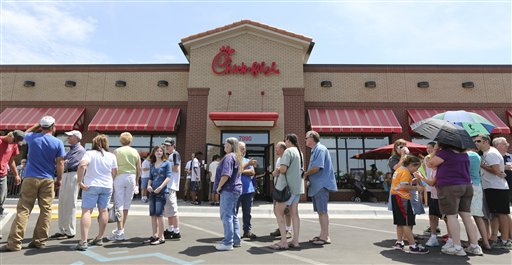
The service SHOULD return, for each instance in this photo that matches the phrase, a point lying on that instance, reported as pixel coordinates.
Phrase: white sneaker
(454, 251)
(116, 236)
(223, 247)
(474, 250)
(447, 245)
(432, 242)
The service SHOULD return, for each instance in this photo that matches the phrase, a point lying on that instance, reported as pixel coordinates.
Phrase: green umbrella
(473, 123)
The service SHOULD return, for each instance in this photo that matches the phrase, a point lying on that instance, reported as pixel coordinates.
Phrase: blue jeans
(228, 202)
(246, 201)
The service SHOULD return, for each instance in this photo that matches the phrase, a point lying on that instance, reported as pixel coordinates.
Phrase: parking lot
(354, 241)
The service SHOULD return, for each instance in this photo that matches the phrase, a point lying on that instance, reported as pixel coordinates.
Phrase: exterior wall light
(468, 84)
(326, 84)
(370, 84)
(163, 83)
(29, 83)
(120, 83)
(423, 84)
(70, 83)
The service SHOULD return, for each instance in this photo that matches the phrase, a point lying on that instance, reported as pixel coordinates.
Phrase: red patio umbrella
(384, 152)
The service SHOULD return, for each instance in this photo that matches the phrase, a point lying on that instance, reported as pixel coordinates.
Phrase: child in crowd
(403, 216)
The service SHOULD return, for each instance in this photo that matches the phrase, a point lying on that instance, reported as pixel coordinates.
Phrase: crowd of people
(466, 183)
(470, 184)
(106, 176)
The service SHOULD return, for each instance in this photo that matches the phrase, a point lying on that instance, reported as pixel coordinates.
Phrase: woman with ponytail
(291, 169)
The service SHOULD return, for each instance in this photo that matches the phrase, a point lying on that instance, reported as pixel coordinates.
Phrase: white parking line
(356, 227)
(252, 244)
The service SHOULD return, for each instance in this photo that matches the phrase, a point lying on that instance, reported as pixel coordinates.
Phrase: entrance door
(264, 155)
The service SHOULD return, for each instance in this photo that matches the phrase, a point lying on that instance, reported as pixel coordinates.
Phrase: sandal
(278, 247)
(321, 242)
(291, 245)
(150, 240)
(316, 238)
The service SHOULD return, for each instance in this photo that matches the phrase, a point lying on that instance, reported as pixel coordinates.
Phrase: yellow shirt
(401, 176)
(127, 159)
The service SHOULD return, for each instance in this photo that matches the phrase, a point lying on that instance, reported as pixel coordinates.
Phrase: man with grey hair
(68, 192)
(502, 145)
(321, 179)
(495, 188)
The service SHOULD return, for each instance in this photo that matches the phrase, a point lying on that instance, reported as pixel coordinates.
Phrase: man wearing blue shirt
(321, 179)
(45, 157)
(246, 198)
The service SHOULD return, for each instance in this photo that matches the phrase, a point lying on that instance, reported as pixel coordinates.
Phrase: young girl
(403, 216)
(159, 176)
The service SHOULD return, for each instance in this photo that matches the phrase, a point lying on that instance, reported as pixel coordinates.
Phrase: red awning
(244, 119)
(66, 119)
(135, 119)
(354, 120)
(416, 115)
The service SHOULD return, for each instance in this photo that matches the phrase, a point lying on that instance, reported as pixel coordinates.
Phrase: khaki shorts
(455, 198)
(171, 205)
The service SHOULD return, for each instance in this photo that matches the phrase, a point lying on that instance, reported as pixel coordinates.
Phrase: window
(342, 149)
(139, 142)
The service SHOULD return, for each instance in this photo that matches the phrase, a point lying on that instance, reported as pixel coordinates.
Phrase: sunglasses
(477, 141)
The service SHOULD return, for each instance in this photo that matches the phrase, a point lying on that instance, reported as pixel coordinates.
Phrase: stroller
(362, 193)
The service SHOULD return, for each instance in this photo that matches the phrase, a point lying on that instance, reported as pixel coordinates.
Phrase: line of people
(459, 183)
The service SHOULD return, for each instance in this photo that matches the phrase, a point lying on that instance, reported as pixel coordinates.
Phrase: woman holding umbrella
(455, 191)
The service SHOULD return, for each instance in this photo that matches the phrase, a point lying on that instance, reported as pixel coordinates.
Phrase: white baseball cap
(47, 121)
(76, 133)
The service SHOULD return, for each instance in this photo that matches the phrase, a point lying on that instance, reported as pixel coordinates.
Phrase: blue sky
(344, 32)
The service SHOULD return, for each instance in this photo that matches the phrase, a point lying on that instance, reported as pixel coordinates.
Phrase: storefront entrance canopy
(136, 119)
(244, 119)
(354, 121)
(416, 115)
(66, 119)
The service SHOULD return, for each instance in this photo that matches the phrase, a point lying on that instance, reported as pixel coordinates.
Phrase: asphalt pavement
(361, 233)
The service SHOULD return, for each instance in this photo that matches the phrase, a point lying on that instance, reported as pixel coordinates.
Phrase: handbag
(114, 214)
(281, 195)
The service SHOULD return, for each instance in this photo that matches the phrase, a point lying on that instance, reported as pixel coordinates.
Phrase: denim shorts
(96, 196)
(157, 203)
(295, 198)
(320, 200)
(144, 183)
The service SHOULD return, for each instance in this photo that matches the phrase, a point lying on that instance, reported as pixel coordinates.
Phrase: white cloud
(46, 33)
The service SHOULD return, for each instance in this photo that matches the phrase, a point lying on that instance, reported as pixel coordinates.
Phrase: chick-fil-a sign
(222, 64)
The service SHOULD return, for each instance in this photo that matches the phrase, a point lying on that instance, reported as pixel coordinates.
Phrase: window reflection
(342, 149)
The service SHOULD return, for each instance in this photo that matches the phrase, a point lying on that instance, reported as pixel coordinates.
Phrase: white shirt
(489, 180)
(195, 175)
(146, 164)
(99, 170)
(187, 166)
(174, 183)
(213, 170)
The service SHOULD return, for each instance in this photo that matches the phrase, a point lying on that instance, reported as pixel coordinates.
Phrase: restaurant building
(252, 81)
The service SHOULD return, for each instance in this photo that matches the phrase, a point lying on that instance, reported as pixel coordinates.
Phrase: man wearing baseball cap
(8, 150)
(45, 157)
(68, 191)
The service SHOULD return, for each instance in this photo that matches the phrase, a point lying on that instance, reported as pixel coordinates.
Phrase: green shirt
(291, 159)
(127, 159)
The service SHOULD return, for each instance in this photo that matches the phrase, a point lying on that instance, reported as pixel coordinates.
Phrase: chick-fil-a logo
(222, 65)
